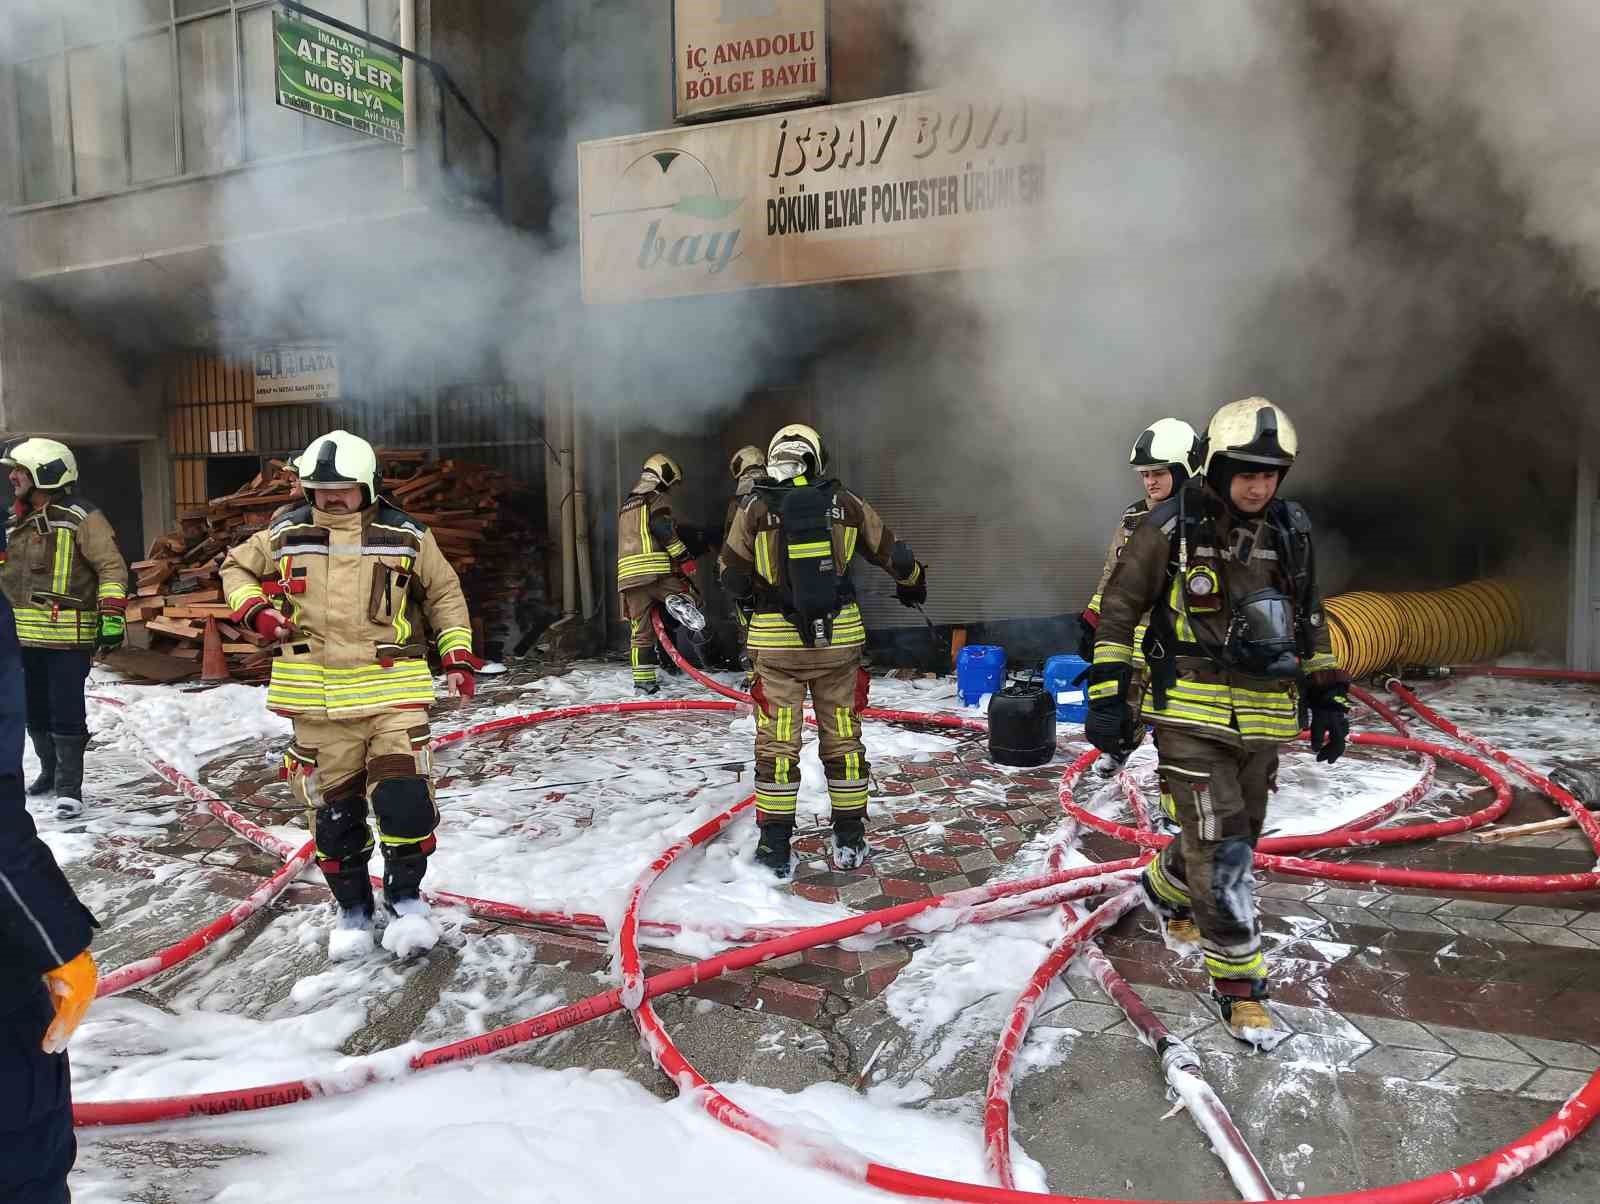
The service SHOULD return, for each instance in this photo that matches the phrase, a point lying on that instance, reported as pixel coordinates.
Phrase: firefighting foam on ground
(991, 603)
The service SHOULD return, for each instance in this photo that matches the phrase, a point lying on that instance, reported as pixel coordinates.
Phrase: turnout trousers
(835, 681)
(1216, 790)
(636, 604)
(338, 767)
(37, 1146)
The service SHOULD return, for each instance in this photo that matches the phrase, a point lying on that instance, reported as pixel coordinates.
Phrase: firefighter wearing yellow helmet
(790, 550)
(748, 466)
(68, 585)
(355, 578)
(1165, 455)
(654, 565)
(1237, 647)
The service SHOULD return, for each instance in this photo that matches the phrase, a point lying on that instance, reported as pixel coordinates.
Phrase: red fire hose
(1509, 1162)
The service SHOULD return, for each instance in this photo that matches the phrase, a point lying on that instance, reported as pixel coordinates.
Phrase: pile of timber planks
(176, 591)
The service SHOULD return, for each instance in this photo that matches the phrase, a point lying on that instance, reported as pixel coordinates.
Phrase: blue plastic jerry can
(980, 670)
(1072, 701)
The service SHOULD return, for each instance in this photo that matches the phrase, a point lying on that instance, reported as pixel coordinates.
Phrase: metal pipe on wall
(580, 516)
(408, 86)
(569, 551)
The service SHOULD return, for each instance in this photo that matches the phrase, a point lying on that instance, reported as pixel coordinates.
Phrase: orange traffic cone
(213, 661)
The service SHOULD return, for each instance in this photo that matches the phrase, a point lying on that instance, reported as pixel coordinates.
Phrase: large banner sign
(916, 183)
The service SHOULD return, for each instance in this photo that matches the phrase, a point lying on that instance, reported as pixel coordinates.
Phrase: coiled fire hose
(1507, 1163)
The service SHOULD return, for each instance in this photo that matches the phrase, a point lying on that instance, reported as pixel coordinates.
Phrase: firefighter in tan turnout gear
(355, 579)
(1237, 647)
(68, 584)
(748, 466)
(1165, 455)
(790, 550)
(653, 565)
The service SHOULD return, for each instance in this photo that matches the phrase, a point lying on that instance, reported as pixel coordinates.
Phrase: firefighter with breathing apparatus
(1237, 647)
(68, 585)
(790, 550)
(748, 466)
(1165, 455)
(654, 564)
(355, 578)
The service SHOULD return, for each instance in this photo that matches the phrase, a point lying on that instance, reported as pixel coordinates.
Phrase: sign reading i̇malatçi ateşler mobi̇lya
(337, 79)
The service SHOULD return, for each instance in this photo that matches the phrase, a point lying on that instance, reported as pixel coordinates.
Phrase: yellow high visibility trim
(1108, 653)
(848, 800)
(775, 804)
(1094, 603)
(61, 572)
(780, 770)
(649, 562)
(677, 549)
(245, 593)
(111, 589)
(764, 556)
(1103, 689)
(299, 685)
(1169, 806)
(1254, 966)
(646, 544)
(769, 629)
(852, 765)
(399, 840)
(850, 536)
(453, 639)
(1320, 661)
(811, 550)
(39, 626)
(842, 720)
(1165, 888)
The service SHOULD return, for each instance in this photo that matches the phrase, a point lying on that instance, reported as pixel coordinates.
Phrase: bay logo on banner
(682, 218)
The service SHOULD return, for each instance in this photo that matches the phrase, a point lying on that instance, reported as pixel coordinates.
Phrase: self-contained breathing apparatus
(1270, 631)
(817, 590)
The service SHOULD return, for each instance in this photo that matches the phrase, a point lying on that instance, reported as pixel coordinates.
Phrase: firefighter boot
(44, 746)
(772, 850)
(352, 894)
(1243, 1004)
(1178, 930)
(849, 842)
(69, 775)
(412, 931)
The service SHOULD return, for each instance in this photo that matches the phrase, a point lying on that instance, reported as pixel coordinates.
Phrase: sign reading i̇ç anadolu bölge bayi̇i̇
(742, 56)
(338, 79)
(922, 182)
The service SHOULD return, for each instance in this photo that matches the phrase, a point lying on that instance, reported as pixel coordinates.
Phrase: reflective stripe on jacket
(358, 588)
(648, 547)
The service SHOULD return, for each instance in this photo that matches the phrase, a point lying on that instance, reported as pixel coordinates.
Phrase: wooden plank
(150, 666)
(182, 631)
(204, 610)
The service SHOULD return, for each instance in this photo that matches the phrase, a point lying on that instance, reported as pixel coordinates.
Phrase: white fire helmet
(1252, 431)
(337, 460)
(795, 451)
(1167, 443)
(745, 460)
(50, 464)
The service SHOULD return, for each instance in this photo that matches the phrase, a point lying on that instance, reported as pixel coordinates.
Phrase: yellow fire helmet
(1254, 431)
(796, 444)
(745, 459)
(339, 459)
(51, 464)
(664, 468)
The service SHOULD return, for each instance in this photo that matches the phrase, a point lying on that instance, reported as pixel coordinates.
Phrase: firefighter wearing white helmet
(343, 583)
(1237, 646)
(654, 565)
(1165, 455)
(790, 549)
(68, 585)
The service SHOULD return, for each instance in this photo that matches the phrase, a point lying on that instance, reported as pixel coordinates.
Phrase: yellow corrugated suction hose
(1462, 625)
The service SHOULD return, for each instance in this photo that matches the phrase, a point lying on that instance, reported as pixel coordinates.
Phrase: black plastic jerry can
(1022, 725)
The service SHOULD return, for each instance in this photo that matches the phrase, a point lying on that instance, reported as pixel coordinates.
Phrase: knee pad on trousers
(406, 816)
(1233, 884)
(342, 831)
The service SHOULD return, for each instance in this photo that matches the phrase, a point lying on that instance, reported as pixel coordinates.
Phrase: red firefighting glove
(689, 568)
(1088, 628)
(71, 990)
(460, 673)
(271, 625)
(863, 689)
(758, 692)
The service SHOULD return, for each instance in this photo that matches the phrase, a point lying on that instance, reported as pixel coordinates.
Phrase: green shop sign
(332, 78)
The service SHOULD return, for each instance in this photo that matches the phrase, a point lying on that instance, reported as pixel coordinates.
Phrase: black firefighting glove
(1330, 714)
(699, 539)
(1109, 717)
(1088, 622)
(915, 591)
